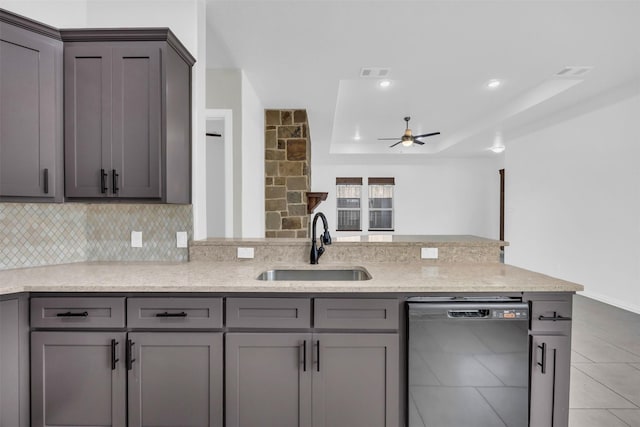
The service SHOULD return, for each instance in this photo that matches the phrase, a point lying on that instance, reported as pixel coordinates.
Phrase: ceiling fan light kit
(408, 138)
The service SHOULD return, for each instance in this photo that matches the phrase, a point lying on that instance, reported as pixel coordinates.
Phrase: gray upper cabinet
(127, 115)
(30, 111)
(175, 379)
(136, 120)
(87, 71)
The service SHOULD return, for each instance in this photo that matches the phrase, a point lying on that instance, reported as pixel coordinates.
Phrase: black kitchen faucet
(316, 252)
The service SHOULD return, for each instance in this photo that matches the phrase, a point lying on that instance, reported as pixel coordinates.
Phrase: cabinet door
(355, 380)
(14, 363)
(268, 380)
(136, 121)
(78, 379)
(175, 380)
(87, 121)
(29, 113)
(550, 367)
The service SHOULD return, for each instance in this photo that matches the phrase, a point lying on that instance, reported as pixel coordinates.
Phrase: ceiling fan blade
(426, 134)
(399, 142)
(415, 141)
(387, 139)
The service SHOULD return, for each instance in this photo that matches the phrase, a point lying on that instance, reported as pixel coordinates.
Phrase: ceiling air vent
(374, 72)
(574, 72)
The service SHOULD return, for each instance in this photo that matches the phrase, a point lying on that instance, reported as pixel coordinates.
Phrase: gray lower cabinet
(550, 347)
(30, 111)
(175, 379)
(14, 372)
(268, 380)
(127, 115)
(302, 379)
(78, 379)
(549, 385)
(355, 380)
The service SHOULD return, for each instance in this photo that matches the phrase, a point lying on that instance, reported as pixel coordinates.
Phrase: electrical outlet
(429, 253)
(245, 253)
(136, 239)
(181, 239)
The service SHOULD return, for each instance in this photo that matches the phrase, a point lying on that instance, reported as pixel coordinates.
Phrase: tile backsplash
(35, 234)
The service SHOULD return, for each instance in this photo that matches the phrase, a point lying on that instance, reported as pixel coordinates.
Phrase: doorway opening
(501, 171)
(219, 173)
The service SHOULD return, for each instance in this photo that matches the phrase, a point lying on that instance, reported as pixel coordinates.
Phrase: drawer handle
(318, 356)
(70, 314)
(167, 314)
(555, 317)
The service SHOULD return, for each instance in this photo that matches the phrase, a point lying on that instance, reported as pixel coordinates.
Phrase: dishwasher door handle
(469, 314)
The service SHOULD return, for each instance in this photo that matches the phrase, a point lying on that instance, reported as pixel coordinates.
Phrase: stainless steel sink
(348, 274)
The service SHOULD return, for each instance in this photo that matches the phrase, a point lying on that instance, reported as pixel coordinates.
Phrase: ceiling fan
(408, 138)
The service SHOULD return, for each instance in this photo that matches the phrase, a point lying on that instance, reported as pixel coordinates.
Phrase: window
(348, 196)
(381, 204)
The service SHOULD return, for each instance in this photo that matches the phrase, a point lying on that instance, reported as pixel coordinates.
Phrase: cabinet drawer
(551, 316)
(72, 312)
(171, 313)
(358, 313)
(268, 312)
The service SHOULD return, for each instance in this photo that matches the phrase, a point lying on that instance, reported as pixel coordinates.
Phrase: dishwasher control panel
(511, 313)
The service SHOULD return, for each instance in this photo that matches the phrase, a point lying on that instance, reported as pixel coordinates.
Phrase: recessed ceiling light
(498, 144)
(494, 83)
(384, 83)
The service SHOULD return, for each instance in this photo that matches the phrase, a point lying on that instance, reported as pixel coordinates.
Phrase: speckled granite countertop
(402, 239)
(241, 276)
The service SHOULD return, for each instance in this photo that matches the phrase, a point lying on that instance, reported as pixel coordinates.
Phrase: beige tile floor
(605, 366)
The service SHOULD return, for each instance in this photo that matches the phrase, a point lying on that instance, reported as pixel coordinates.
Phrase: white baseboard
(611, 301)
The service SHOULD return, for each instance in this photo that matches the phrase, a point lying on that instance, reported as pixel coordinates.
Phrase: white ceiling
(308, 54)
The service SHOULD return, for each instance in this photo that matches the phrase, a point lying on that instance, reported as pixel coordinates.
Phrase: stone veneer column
(287, 173)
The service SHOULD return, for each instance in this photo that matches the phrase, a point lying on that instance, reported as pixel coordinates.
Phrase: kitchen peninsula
(349, 338)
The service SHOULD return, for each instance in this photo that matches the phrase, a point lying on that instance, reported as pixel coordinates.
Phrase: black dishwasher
(468, 362)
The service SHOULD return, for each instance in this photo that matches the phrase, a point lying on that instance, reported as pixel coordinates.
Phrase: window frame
(380, 182)
(348, 182)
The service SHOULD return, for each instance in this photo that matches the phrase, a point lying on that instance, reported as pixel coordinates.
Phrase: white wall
(573, 202)
(179, 15)
(441, 196)
(56, 13)
(253, 222)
